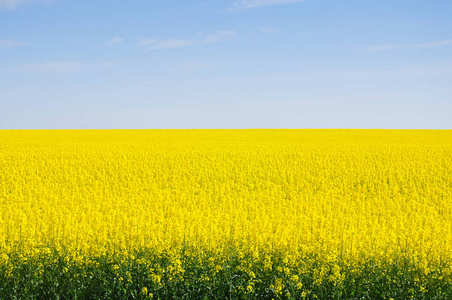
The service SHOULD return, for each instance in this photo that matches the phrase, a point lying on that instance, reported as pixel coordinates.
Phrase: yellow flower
(270, 193)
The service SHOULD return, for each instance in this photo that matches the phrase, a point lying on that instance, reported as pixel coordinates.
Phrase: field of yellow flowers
(226, 214)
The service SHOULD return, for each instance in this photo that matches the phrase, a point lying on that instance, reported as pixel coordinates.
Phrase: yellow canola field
(346, 195)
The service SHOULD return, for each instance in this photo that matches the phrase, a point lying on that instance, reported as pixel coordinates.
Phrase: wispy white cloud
(245, 4)
(199, 65)
(115, 40)
(219, 36)
(267, 29)
(195, 66)
(49, 68)
(10, 43)
(434, 44)
(382, 47)
(170, 44)
(12, 4)
(146, 42)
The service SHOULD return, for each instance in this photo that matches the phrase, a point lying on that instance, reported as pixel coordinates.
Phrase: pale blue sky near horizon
(225, 64)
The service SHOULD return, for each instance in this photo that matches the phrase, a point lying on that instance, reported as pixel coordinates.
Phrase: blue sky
(226, 64)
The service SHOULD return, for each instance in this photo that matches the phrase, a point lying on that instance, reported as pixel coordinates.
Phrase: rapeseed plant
(257, 213)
